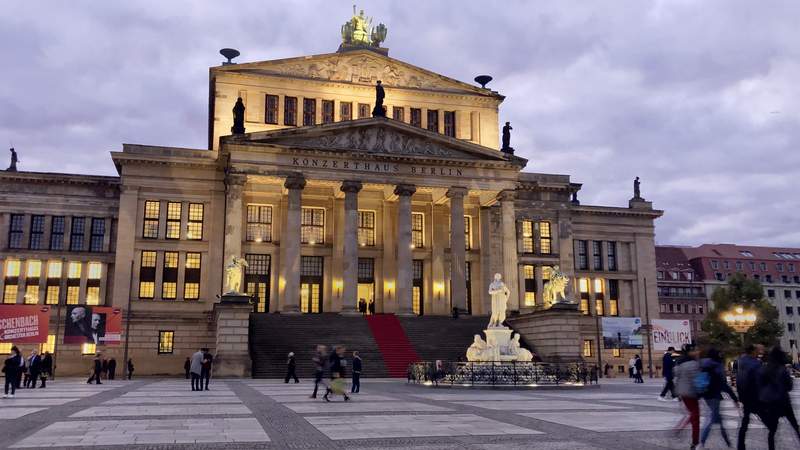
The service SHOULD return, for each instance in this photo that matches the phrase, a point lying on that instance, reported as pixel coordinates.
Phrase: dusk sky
(701, 99)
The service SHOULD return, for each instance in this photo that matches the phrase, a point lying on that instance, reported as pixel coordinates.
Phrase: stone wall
(553, 334)
(232, 339)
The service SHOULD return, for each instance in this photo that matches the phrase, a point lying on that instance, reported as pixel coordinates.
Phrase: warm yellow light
(337, 284)
(438, 287)
(312, 242)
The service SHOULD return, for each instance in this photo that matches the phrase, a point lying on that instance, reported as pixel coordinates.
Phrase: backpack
(701, 381)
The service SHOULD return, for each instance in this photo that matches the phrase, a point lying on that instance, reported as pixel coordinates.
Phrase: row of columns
(290, 243)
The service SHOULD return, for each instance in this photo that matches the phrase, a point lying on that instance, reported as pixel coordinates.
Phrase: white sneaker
(676, 399)
(5, 395)
(11, 396)
(661, 399)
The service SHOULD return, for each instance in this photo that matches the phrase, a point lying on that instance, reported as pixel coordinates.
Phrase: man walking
(686, 370)
(196, 369)
(638, 368)
(356, 373)
(98, 367)
(205, 375)
(35, 369)
(668, 365)
(319, 360)
(747, 367)
(112, 368)
(291, 368)
(47, 369)
(186, 366)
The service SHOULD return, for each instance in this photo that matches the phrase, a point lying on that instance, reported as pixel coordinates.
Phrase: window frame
(328, 115)
(166, 346)
(366, 233)
(312, 229)
(16, 230)
(290, 111)
(151, 215)
(37, 232)
(417, 233)
(173, 227)
(145, 275)
(97, 234)
(271, 109)
(77, 239)
(57, 232)
(309, 111)
(450, 123)
(190, 221)
(252, 226)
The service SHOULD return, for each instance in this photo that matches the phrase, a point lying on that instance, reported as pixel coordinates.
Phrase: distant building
(681, 293)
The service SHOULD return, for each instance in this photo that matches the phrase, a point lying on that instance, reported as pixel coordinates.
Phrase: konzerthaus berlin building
(414, 212)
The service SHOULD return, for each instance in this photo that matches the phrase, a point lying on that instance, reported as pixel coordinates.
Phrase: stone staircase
(441, 337)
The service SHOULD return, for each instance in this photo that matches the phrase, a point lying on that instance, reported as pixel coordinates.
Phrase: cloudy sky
(701, 99)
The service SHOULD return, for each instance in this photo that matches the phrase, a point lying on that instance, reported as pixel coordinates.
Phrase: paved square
(340, 406)
(423, 425)
(161, 410)
(620, 420)
(14, 413)
(537, 405)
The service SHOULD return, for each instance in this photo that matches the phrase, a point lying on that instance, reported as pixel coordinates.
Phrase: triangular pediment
(358, 67)
(376, 136)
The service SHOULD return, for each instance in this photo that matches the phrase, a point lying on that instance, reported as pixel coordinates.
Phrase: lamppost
(740, 320)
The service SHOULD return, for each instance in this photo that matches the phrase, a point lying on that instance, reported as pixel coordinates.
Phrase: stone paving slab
(422, 425)
(538, 405)
(161, 410)
(622, 420)
(186, 393)
(479, 396)
(129, 432)
(159, 400)
(307, 399)
(15, 413)
(354, 406)
(35, 401)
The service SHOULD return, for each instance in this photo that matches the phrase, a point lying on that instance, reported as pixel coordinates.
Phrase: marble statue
(238, 117)
(499, 293)
(554, 290)
(14, 160)
(234, 273)
(476, 351)
(380, 94)
(514, 348)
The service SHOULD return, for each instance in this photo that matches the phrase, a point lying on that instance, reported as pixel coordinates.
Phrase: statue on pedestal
(637, 193)
(507, 139)
(499, 293)
(554, 290)
(14, 160)
(378, 110)
(238, 117)
(234, 273)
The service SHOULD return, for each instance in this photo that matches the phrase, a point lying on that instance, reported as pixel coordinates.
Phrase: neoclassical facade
(412, 213)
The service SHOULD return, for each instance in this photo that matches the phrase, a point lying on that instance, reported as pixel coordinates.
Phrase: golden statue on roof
(358, 31)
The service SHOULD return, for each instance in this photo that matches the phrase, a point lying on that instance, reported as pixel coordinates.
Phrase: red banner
(99, 325)
(24, 324)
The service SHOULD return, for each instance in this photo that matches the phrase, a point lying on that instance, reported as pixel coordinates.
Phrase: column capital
(295, 182)
(351, 186)
(236, 179)
(405, 190)
(456, 191)
(507, 195)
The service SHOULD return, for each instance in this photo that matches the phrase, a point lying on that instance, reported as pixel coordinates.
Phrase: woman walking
(337, 374)
(11, 371)
(774, 384)
(685, 372)
(717, 384)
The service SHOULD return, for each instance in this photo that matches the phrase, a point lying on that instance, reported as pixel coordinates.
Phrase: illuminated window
(615, 353)
(76, 236)
(450, 123)
(10, 293)
(88, 349)
(583, 288)
(327, 111)
(529, 275)
(309, 111)
(191, 275)
(165, 341)
(11, 281)
(92, 295)
(57, 233)
(312, 227)
(12, 268)
(399, 113)
(545, 238)
(151, 211)
(73, 282)
(587, 348)
(169, 284)
(259, 223)
(416, 117)
(95, 271)
(49, 346)
(467, 232)
(527, 236)
(363, 110)
(147, 274)
(34, 268)
(256, 276)
(5, 348)
(417, 284)
(433, 120)
(417, 227)
(73, 295)
(51, 296)
(290, 111)
(271, 109)
(31, 294)
(16, 230)
(54, 269)
(366, 228)
(613, 307)
(74, 270)
(346, 111)
(195, 224)
(37, 233)
(174, 210)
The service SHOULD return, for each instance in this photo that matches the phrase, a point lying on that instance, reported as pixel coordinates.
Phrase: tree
(748, 294)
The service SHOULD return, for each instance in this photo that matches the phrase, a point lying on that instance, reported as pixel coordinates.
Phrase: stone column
(404, 275)
(350, 260)
(458, 283)
(290, 241)
(510, 275)
(233, 217)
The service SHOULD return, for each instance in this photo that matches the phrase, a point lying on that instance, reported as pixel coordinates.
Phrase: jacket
(98, 365)
(718, 383)
(337, 369)
(292, 363)
(774, 384)
(35, 364)
(197, 363)
(747, 379)
(11, 365)
(47, 364)
(666, 364)
(357, 365)
(685, 373)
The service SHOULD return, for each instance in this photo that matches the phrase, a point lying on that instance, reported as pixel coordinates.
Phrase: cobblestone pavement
(388, 414)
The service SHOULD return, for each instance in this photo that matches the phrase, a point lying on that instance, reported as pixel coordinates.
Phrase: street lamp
(740, 320)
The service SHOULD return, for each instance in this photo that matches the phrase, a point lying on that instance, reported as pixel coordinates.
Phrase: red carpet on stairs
(393, 343)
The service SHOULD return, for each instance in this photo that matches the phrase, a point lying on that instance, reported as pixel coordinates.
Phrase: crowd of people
(762, 389)
(332, 363)
(25, 373)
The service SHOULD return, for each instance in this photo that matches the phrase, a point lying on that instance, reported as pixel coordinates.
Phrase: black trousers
(33, 379)
(11, 382)
(111, 374)
(95, 376)
(669, 386)
(291, 374)
(197, 382)
(205, 376)
(356, 382)
(747, 410)
(317, 381)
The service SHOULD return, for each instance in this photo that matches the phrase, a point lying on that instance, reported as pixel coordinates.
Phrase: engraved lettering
(295, 162)
(458, 172)
(324, 163)
(346, 164)
(305, 161)
(334, 164)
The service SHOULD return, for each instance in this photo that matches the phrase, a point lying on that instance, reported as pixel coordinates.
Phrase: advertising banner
(24, 324)
(622, 332)
(671, 333)
(99, 325)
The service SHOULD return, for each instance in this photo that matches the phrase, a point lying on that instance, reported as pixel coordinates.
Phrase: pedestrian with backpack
(774, 384)
(711, 382)
(686, 369)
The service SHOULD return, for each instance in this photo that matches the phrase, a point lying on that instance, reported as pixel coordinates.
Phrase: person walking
(747, 369)
(196, 369)
(34, 369)
(104, 368)
(291, 367)
(112, 368)
(22, 370)
(186, 366)
(205, 375)
(774, 384)
(10, 369)
(638, 368)
(47, 369)
(319, 361)
(357, 365)
(714, 371)
(632, 368)
(97, 367)
(337, 374)
(667, 365)
(686, 369)
(130, 368)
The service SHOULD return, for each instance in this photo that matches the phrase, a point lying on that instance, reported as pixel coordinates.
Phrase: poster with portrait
(24, 324)
(99, 325)
(671, 333)
(622, 332)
